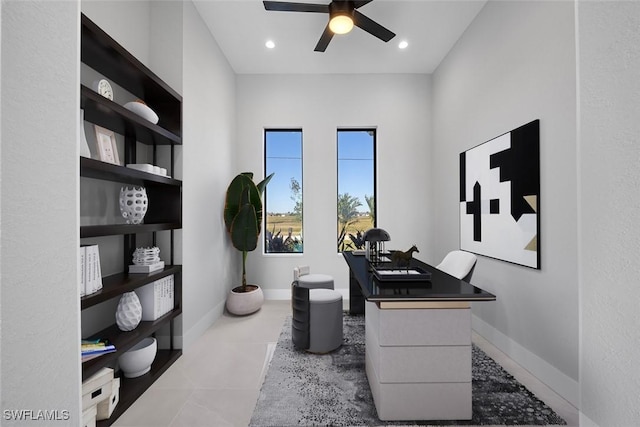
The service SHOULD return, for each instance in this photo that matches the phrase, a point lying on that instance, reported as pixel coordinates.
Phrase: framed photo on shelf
(107, 148)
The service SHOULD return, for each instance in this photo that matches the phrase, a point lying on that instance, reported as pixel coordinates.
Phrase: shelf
(117, 284)
(91, 168)
(102, 53)
(117, 229)
(108, 114)
(124, 341)
(132, 388)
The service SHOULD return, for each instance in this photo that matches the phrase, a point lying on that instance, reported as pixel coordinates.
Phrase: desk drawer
(418, 327)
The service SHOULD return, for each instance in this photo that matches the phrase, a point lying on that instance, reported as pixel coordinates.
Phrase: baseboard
(196, 331)
(586, 421)
(559, 382)
(285, 294)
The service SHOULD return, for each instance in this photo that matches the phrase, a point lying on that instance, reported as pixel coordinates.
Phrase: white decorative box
(89, 417)
(97, 388)
(106, 407)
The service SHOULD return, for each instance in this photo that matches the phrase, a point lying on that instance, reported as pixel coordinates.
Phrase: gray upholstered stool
(317, 312)
(316, 281)
(312, 281)
(325, 320)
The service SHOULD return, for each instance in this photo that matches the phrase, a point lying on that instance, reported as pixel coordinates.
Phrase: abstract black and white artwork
(500, 197)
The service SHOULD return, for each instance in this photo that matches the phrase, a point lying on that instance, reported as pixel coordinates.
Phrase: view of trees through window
(356, 187)
(283, 195)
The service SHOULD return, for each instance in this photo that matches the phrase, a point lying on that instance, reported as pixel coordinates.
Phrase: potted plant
(243, 219)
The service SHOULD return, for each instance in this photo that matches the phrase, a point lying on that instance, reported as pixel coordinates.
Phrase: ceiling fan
(342, 17)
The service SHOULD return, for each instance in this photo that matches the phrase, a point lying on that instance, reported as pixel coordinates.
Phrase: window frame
(374, 130)
(267, 130)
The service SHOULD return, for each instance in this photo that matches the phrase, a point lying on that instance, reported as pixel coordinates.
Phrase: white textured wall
(609, 154)
(514, 64)
(40, 127)
(210, 264)
(397, 105)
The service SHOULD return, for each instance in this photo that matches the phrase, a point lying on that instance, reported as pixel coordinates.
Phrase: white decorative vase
(129, 311)
(133, 204)
(241, 303)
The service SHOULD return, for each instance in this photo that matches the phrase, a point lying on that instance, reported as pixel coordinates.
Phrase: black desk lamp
(374, 239)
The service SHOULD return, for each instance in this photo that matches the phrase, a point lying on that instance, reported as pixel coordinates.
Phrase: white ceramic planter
(241, 303)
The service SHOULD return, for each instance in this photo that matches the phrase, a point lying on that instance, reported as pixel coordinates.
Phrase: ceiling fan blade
(372, 27)
(325, 38)
(357, 4)
(284, 6)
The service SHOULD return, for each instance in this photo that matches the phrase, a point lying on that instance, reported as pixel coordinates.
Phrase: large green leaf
(236, 192)
(260, 187)
(243, 210)
(244, 229)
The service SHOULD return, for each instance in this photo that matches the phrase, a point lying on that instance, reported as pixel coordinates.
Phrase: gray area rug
(303, 389)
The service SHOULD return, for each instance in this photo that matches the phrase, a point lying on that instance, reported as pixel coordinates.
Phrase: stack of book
(90, 272)
(90, 349)
(156, 298)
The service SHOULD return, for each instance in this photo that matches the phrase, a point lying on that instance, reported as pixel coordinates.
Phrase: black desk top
(441, 286)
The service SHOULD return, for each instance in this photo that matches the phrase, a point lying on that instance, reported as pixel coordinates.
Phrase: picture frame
(500, 197)
(106, 143)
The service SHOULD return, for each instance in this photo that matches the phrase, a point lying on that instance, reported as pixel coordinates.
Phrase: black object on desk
(364, 285)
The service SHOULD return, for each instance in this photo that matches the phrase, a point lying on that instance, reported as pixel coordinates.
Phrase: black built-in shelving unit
(103, 54)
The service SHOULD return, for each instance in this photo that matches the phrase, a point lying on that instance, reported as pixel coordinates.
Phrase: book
(133, 268)
(99, 350)
(82, 252)
(156, 298)
(92, 269)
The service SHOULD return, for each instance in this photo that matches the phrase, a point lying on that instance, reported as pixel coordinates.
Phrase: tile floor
(217, 380)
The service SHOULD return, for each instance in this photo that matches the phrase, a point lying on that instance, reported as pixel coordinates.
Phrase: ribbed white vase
(129, 311)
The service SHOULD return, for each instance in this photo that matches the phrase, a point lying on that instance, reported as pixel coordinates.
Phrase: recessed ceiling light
(270, 44)
(403, 44)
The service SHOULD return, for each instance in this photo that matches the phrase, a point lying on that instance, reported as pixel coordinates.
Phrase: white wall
(397, 105)
(516, 63)
(40, 129)
(127, 22)
(211, 265)
(609, 151)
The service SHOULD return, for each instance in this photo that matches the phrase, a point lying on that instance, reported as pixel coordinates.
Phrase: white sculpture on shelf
(133, 204)
(146, 256)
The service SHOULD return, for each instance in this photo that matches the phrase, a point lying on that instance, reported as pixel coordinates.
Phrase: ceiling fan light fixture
(341, 23)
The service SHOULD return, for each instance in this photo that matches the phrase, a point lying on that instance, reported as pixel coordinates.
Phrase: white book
(163, 299)
(170, 300)
(149, 296)
(90, 272)
(98, 283)
(156, 298)
(81, 274)
(160, 296)
(133, 268)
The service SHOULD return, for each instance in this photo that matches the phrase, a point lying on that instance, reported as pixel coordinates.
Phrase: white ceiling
(431, 27)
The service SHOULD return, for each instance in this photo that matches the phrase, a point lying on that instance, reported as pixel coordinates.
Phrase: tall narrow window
(283, 195)
(356, 186)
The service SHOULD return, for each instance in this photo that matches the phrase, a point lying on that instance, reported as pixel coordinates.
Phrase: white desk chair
(459, 264)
